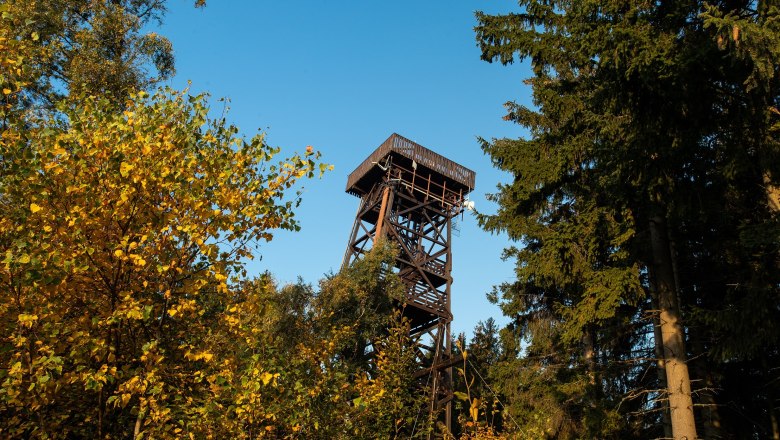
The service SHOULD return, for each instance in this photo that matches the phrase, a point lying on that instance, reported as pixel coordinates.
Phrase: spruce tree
(647, 118)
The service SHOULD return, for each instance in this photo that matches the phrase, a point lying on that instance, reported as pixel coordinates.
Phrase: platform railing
(424, 187)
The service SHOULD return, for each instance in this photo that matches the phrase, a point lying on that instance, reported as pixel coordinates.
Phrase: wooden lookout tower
(409, 195)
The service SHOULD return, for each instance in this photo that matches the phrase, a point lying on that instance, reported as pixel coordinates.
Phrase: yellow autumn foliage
(121, 235)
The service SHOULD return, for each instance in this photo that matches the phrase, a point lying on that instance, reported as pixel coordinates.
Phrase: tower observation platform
(409, 196)
(404, 154)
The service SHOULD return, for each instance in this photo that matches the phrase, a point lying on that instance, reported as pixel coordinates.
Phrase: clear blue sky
(342, 76)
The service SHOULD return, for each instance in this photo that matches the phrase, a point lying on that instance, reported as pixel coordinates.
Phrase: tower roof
(409, 154)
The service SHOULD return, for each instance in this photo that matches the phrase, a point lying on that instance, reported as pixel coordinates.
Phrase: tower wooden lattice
(409, 195)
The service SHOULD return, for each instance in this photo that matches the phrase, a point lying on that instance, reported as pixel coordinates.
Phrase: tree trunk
(589, 353)
(672, 335)
(772, 193)
(774, 424)
(660, 367)
(138, 422)
(710, 414)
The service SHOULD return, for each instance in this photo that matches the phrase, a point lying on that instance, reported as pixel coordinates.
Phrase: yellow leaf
(34, 207)
(119, 253)
(124, 169)
(24, 259)
(27, 319)
(6, 91)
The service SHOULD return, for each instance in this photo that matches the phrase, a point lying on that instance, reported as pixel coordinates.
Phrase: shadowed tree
(648, 117)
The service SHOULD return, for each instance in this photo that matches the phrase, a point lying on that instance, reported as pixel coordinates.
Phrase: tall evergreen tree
(649, 116)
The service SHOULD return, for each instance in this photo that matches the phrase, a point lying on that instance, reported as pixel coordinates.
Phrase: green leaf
(461, 395)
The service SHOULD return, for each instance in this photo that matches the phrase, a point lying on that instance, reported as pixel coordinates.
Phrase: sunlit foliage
(122, 236)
